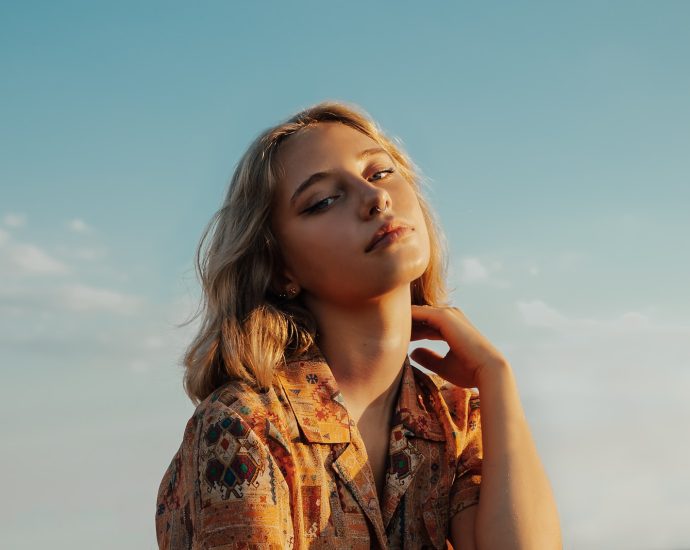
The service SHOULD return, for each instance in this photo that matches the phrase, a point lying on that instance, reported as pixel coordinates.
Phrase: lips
(385, 229)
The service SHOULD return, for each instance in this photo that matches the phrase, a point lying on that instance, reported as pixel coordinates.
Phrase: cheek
(421, 226)
(315, 250)
(413, 209)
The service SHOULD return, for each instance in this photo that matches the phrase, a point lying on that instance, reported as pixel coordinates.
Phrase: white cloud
(29, 258)
(570, 259)
(154, 342)
(472, 270)
(73, 343)
(607, 403)
(537, 314)
(139, 366)
(78, 297)
(78, 225)
(88, 253)
(14, 220)
(24, 258)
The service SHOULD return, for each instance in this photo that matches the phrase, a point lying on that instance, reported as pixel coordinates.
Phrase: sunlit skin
(323, 235)
(362, 305)
(360, 300)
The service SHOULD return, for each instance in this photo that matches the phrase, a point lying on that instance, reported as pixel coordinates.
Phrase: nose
(375, 201)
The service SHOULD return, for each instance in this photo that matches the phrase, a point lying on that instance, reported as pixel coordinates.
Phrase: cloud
(78, 226)
(536, 313)
(79, 297)
(472, 270)
(12, 219)
(66, 300)
(570, 259)
(20, 258)
(87, 253)
(607, 402)
(72, 341)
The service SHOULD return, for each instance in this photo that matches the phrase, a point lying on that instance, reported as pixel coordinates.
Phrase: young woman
(312, 429)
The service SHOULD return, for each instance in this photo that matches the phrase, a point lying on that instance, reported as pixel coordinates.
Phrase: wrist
(492, 371)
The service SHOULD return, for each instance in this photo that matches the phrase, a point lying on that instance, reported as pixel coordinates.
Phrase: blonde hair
(247, 328)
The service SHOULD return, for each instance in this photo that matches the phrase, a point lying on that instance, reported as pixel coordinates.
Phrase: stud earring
(292, 291)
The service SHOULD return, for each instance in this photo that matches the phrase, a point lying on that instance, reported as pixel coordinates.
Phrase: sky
(553, 137)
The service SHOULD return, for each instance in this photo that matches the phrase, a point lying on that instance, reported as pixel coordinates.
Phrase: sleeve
(223, 490)
(468, 473)
(174, 528)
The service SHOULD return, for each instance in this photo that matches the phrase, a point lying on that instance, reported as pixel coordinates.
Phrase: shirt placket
(353, 469)
(404, 461)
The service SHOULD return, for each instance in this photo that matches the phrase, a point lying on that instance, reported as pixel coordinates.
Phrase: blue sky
(554, 137)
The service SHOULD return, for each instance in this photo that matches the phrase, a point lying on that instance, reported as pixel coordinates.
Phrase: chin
(385, 285)
(418, 264)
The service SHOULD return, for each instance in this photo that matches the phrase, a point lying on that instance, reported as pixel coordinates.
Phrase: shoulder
(236, 407)
(233, 454)
(224, 445)
(225, 472)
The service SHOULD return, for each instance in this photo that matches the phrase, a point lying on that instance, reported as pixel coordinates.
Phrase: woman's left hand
(470, 352)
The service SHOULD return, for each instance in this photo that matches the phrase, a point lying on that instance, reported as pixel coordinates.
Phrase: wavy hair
(247, 329)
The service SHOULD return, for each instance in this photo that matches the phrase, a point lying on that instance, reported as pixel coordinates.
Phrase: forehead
(318, 148)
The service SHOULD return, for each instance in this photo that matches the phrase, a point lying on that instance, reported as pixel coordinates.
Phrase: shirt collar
(319, 408)
(418, 405)
(315, 399)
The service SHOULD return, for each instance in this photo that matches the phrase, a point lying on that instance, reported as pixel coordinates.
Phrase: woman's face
(325, 216)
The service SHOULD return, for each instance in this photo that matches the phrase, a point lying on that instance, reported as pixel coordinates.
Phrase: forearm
(516, 508)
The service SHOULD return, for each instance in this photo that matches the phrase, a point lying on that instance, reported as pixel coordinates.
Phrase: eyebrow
(318, 176)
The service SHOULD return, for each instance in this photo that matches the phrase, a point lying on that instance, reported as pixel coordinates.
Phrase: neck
(365, 347)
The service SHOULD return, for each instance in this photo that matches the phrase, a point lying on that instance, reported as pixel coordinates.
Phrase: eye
(321, 205)
(387, 171)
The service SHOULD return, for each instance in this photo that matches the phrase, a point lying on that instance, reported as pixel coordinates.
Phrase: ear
(283, 280)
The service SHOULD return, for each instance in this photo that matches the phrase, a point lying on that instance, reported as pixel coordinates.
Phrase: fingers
(435, 316)
(423, 331)
(424, 313)
(426, 318)
(429, 359)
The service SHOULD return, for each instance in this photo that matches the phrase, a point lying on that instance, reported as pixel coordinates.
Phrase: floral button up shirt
(288, 468)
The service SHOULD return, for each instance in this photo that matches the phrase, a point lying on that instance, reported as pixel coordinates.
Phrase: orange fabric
(288, 469)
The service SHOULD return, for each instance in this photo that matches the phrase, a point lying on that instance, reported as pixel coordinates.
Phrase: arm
(223, 490)
(462, 535)
(516, 508)
(464, 408)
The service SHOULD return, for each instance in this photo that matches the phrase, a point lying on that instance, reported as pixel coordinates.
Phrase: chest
(376, 442)
(337, 506)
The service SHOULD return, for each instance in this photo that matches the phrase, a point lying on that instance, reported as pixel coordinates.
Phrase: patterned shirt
(287, 468)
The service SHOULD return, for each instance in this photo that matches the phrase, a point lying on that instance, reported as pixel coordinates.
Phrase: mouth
(388, 232)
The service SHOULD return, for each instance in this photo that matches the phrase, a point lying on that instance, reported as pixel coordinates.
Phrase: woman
(312, 428)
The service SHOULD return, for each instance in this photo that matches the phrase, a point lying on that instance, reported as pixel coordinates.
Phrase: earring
(292, 291)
